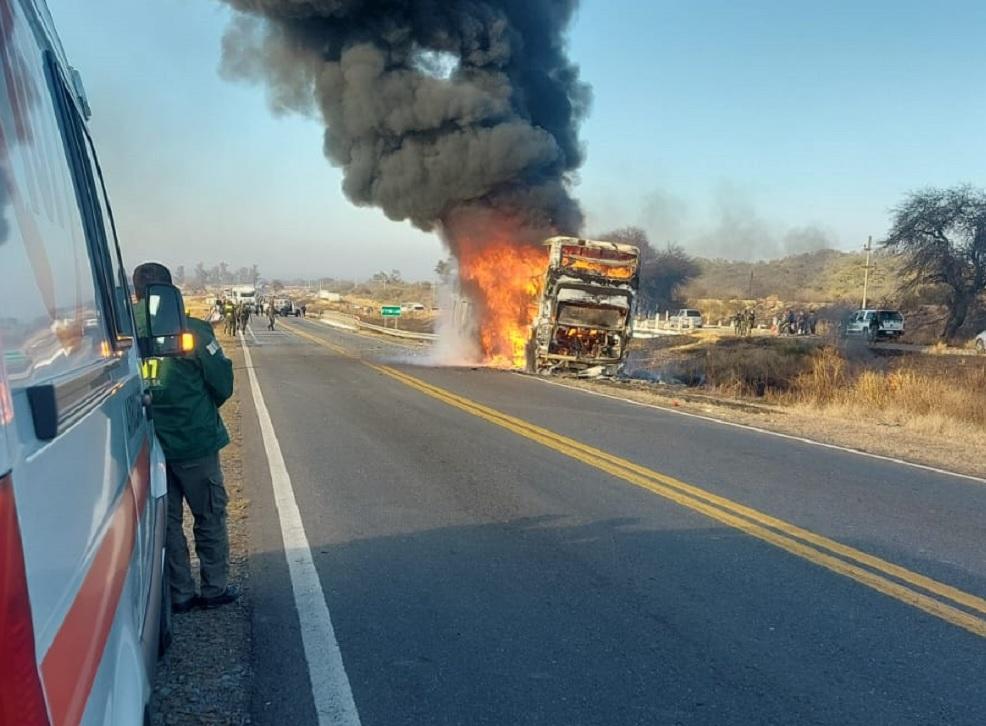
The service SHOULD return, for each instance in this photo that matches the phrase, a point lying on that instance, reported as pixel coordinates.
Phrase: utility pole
(866, 270)
(749, 295)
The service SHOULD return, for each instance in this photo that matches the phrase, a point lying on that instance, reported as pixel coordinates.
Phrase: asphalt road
(496, 550)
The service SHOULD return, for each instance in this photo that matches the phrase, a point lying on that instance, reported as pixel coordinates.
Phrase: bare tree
(201, 277)
(942, 235)
(662, 272)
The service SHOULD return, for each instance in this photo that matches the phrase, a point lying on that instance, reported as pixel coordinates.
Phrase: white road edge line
(252, 334)
(334, 704)
(757, 429)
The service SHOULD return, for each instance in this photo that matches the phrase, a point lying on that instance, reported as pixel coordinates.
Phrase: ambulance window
(121, 284)
(51, 322)
(106, 267)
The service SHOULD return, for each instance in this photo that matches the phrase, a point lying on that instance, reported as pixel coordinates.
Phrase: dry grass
(755, 367)
(930, 394)
(939, 399)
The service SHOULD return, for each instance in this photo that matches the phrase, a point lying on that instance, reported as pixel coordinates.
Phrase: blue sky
(736, 129)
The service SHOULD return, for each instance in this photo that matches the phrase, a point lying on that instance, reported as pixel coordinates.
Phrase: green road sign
(390, 311)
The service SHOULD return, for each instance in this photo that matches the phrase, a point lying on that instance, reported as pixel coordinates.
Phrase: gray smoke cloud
(441, 112)
(738, 231)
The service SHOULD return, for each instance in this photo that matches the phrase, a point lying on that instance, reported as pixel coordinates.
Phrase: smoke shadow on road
(549, 620)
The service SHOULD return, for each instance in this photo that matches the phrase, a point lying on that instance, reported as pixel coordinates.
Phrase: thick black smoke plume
(441, 112)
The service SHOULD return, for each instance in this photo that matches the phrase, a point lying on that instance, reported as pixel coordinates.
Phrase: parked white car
(981, 343)
(875, 324)
(687, 318)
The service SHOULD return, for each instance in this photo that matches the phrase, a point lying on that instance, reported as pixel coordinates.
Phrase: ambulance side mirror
(167, 328)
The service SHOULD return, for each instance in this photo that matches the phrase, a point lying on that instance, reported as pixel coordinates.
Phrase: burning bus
(587, 303)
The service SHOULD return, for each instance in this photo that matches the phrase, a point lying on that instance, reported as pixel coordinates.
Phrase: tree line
(202, 277)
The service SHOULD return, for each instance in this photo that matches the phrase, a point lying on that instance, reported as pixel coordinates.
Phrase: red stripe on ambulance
(69, 667)
(21, 699)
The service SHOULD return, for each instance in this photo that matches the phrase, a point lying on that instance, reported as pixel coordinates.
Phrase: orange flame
(505, 279)
(613, 264)
(616, 272)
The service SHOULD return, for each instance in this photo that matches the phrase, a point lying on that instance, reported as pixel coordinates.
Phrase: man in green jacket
(186, 394)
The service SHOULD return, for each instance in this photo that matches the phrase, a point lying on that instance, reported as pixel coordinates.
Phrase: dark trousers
(199, 482)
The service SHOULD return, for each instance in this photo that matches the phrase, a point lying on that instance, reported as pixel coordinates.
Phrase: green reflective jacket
(186, 393)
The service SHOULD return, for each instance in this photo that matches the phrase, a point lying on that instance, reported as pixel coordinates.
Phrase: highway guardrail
(361, 325)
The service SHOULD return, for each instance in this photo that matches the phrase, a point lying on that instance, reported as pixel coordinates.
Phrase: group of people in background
(800, 322)
(790, 322)
(744, 322)
(235, 316)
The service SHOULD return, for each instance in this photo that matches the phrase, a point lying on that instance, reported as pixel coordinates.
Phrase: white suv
(875, 324)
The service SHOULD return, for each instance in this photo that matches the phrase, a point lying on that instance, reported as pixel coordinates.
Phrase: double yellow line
(935, 598)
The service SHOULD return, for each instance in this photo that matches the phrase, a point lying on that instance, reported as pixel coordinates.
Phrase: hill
(820, 276)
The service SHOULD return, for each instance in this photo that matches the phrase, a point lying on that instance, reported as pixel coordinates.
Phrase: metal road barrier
(396, 333)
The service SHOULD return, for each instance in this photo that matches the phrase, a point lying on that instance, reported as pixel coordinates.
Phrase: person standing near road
(185, 398)
(244, 316)
(271, 314)
(229, 312)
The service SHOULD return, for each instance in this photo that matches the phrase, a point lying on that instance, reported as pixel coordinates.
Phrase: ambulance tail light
(187, 342)
(22, 700)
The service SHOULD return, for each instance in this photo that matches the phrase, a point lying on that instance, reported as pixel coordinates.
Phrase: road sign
(390, 311)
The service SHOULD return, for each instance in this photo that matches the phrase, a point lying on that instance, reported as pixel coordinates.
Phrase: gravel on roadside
(205, 677)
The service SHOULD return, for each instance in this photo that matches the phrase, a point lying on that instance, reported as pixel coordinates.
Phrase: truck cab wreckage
(588, 300)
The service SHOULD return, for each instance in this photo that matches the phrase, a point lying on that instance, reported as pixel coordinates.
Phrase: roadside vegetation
(941, 395)
(929, 396)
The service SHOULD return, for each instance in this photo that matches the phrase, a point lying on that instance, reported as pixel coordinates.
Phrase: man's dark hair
(150, 273)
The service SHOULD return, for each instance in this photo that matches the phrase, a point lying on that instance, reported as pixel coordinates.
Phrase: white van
(82, 478)
(687, 318)
(246, 295)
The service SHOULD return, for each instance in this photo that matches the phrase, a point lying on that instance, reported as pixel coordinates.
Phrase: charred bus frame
(588, 300)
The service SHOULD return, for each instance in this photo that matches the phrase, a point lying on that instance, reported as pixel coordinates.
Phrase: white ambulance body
(82, 478)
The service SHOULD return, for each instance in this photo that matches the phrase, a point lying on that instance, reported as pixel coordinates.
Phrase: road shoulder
(876, 438)
(206, 675)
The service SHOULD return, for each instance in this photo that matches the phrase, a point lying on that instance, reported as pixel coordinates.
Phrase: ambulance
(83, 614)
